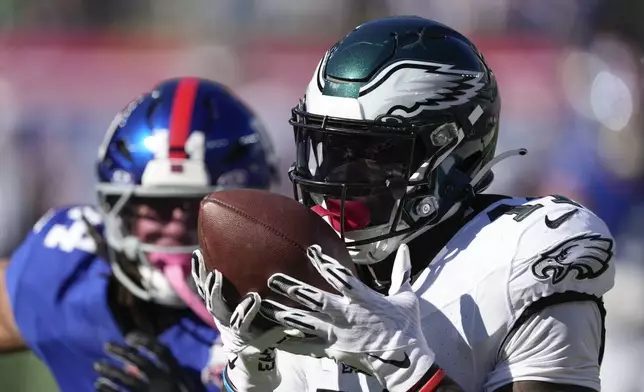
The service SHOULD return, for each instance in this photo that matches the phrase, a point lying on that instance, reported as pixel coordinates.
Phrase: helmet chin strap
(375, 251)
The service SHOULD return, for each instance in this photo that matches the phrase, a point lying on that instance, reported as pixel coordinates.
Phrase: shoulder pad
(559, 246)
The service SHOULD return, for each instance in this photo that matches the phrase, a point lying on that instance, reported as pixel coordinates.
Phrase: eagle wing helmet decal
(407, 87)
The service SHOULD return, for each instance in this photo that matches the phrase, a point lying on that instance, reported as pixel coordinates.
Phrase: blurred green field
(23, 372)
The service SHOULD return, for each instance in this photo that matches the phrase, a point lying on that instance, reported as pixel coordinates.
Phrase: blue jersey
(57, 285)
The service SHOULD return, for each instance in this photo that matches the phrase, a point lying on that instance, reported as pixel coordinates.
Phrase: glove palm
(379, 335)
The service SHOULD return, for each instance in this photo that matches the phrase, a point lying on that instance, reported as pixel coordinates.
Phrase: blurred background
(570, 72)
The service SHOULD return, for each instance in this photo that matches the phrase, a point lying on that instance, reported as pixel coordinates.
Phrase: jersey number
(74, 236)
(522, 212)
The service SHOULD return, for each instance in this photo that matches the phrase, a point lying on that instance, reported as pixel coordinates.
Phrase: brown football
(248, 235)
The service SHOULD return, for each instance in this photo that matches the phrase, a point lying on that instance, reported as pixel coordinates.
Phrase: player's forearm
(11, 342)
(10, 339)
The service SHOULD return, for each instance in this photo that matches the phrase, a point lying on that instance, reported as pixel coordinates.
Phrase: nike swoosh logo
(553, 224)
(231, 364)
(403, 364)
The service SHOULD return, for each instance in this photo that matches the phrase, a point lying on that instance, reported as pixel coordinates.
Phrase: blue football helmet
(162, 154)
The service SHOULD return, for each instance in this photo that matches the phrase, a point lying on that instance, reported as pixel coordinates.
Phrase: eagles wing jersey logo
(587, 254)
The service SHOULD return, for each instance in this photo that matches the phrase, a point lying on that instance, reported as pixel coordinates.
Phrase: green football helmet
(397, 130)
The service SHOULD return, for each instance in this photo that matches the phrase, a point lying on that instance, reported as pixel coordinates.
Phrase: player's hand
(251, 353)
(379, 335)
(147, 366)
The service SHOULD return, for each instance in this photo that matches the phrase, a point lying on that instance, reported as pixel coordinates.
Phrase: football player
(120, 272)
(455, 290)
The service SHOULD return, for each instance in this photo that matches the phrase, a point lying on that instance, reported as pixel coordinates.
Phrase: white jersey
(513, 296)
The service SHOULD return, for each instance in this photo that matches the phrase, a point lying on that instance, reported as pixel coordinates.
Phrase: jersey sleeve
(560, 345)
(560, 269)
(38, 270)
(564, 249)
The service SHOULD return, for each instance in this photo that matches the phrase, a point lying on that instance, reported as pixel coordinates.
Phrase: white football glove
(379, 335)
(251, 353)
